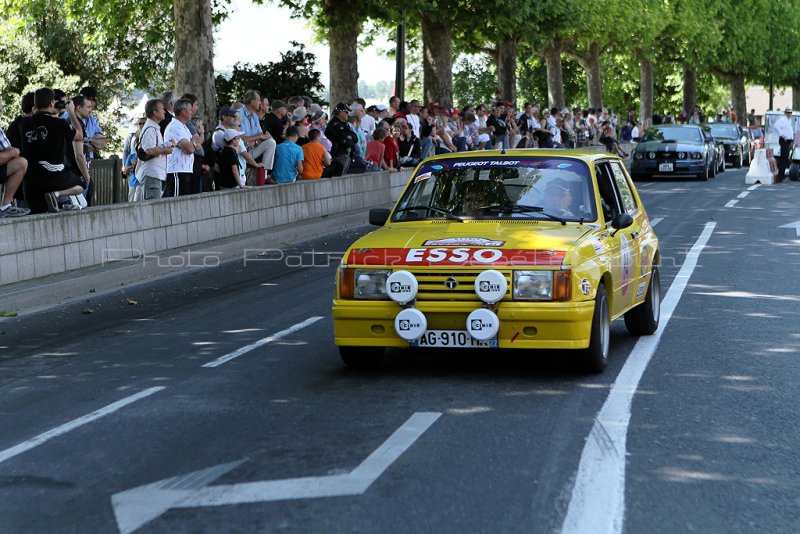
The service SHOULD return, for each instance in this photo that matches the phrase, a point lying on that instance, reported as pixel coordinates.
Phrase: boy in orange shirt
(316, 158)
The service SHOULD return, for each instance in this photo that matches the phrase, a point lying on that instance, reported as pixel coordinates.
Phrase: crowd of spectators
(45, 160)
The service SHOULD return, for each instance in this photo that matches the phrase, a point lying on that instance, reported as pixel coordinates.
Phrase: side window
(625, 193)
(609, 198)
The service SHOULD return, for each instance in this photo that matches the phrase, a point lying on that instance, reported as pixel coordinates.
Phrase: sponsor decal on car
(627, 260)
(467, 256)
(463, 242)
(585, 286)
(640, 289)
(422, 177)
(598, 246)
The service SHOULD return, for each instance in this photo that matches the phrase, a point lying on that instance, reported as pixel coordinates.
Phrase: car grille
(433, 284)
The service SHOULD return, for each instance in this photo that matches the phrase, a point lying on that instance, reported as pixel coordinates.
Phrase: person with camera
(152, 151)
(45, 140)
(342, 138)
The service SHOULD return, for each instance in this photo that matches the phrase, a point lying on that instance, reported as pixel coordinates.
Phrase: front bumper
(523, 325)
(680, 167)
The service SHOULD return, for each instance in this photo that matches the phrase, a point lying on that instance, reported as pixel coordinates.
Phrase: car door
(623, 244)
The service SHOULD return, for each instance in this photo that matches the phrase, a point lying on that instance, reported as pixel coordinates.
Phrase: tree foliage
(294, 74)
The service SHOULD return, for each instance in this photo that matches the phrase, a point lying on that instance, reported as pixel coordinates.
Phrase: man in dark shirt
(497, 124)
(276, 120)
(168, 99)
(342, 139)
(45, 141)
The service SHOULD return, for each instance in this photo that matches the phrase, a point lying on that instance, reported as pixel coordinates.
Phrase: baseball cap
(299, 114)
(89, 92)
(317, 115)
(787, 110)
(341, 106)
(231, 134)
(381, 107)
(227, 111)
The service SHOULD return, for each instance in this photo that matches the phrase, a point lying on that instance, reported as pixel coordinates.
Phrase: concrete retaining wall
(40, 245)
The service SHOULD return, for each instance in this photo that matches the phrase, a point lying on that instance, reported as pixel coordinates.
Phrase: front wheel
(595, 356)
(643, 319)
(361, 357)
(705, 174)
(721, 164)
(794, 171)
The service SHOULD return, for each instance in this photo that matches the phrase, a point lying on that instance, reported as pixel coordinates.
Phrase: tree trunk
(689, 89)
(796, 95)
(194, 55)
(343, 32)
(645, 87)
(437, 60)
(594, 81)
(739, 98)
(507, 67)
(555, 75)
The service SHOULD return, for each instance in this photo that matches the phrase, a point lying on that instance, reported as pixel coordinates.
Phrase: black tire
(595, 357)
(722, 164)
(713, 172)
(643, 319)
(794, 171)
(737, 164)
(361, 357)
(705, 174)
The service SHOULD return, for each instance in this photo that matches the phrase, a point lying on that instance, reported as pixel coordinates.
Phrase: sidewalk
(40, 294)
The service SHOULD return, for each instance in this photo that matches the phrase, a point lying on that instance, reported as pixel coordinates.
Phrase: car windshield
(521, 187)
(724, 130)
(674, 133)
(756, 133)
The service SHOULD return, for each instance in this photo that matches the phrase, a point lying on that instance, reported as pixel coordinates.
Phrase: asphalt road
(497, 438)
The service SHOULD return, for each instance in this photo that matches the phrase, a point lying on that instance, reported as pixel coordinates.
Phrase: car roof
(584, 155)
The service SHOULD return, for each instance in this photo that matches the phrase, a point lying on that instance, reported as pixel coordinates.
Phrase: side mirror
(379, 216)
(621, 221)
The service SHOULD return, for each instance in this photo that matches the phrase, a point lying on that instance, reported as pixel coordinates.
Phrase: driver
(558, 198)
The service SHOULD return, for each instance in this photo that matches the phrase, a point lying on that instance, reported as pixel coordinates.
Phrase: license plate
(665, 167)
(452, 339)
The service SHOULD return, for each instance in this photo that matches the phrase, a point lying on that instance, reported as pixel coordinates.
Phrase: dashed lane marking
(75, 423)
(731, 204)
(261, 342)
(656, 221)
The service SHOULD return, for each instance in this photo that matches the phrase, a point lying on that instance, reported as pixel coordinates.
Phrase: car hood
(468, 243)
(659, 146)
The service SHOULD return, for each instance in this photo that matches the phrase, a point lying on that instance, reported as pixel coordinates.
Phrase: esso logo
(453, 255)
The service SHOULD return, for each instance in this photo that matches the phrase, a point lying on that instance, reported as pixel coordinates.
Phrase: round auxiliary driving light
(402, 287)
(410, 324)
(491, 286)
(483, 324)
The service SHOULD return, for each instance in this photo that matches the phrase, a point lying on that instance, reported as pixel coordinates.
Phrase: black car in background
(673, 150)
(734, 141)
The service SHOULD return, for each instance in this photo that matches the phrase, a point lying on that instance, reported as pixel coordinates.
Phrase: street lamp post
(400, 63)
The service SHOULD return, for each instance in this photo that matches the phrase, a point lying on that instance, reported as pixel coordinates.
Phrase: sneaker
(52, 202)
(13, 211)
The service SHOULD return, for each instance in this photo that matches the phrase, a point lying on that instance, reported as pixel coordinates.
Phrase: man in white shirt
(181, 162)
(153, 171)
(783, 127)
(413, 117)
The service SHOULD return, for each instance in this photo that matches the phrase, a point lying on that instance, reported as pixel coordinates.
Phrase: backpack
(210, 155)
(141, 154)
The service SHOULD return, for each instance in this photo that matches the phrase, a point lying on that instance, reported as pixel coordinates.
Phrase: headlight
(681, 155)
(651, 155)
(543, 285)
(371, 284)
(638, 155)
(697, 155)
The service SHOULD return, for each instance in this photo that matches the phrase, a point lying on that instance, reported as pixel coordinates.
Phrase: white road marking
(75, 423)
(656, 221)
(753, 187)
(795, 225)
(743, 194)
(731, 204)
(597, 504)
(252, 346)
(138, 506)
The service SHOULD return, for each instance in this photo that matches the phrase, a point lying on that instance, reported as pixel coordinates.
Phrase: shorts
(36, 186)
(153, 188)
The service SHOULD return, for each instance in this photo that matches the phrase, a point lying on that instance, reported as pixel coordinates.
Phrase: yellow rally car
(524, 249)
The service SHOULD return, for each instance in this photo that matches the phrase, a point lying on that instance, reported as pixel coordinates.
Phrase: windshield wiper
(523, 208)
(447, 214)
